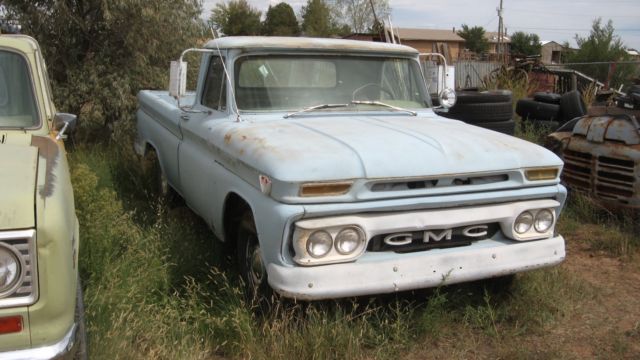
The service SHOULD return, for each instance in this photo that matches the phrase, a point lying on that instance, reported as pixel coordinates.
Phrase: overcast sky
(557, 20)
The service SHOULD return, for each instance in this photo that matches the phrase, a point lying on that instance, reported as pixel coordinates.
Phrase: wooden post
(574, 81)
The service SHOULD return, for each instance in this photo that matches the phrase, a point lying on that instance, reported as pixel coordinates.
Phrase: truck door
(197, 159)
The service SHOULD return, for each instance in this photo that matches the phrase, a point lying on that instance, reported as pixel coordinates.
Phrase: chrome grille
(24, 243)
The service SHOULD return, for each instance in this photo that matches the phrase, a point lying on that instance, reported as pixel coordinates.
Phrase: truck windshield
(17, 102)
(290, 83)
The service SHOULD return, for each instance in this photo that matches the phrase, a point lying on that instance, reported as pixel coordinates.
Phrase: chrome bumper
(63, 349)
(390, 272)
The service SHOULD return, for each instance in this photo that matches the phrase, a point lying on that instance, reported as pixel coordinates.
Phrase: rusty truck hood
(18, 172)
(332, 147)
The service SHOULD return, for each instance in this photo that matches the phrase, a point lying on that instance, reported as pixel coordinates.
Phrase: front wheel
(250, 262)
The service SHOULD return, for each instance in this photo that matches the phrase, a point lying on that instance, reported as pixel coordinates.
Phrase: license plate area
(412, 241)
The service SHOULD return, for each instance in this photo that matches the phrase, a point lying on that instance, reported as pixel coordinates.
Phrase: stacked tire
(549, 110)
(488, 109)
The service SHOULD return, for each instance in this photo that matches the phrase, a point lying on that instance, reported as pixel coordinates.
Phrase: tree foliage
(474, 39)
(358, 14)
(236, 17)
(100, 53)
(317, 19)
(525, 44)
(281, 21)
(601, 45)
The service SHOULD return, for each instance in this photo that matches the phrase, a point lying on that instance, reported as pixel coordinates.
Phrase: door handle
(184, 117)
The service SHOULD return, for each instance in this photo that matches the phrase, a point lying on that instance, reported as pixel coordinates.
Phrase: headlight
(447, 98)
(348, 240)
(544, 220)
(523, 222)
(319, 244)
(9, 269)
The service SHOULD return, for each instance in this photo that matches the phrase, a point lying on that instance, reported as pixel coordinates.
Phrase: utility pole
(500, 49)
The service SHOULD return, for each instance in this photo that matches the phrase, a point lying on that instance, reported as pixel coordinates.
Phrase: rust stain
(227, 138)
(49, 151)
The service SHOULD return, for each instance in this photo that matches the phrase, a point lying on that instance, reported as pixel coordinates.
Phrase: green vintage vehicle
(40, 297)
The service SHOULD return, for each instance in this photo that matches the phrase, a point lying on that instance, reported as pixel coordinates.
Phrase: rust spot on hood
(227, 138)
(49, 151)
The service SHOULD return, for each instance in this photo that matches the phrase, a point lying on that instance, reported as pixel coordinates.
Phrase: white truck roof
(275, 42)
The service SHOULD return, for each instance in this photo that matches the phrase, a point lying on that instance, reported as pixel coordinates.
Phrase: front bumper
(63, 349)
(386, 273)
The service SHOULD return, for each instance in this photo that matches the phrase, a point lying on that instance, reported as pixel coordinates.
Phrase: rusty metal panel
(602, 158)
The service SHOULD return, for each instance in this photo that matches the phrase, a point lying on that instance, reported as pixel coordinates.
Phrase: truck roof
(305, 43)
(23, 43)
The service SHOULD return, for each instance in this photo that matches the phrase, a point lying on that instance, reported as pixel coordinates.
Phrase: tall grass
(157, 286)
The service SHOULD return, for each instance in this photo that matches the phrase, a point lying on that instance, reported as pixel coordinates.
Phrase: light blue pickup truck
(324, 164)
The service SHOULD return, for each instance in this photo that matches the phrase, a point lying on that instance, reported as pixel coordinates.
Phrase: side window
(214, 95)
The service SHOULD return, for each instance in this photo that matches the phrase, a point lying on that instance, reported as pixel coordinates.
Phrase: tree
(601, 45)
(317, 20)
(525, 44)
(358, 14)
(100, 53)
(474, 39)
(280, 21)
(236, 17)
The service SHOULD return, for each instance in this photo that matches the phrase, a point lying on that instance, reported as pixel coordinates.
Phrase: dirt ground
(608, 324)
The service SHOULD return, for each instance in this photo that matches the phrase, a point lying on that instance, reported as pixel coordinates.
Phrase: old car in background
(323, 163)
(40, 294)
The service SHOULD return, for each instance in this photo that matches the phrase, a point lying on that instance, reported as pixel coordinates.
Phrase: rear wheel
(155, 178)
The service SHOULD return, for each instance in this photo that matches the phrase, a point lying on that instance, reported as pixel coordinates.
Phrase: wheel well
(234, 207)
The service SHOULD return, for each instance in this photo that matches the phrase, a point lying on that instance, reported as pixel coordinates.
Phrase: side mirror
(64, 123)
(447, 98)
(178, 79)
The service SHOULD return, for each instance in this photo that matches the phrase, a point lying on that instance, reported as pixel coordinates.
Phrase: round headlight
(348, 240)
(447, 98)
(544, 220)
(523, 222)
(319, 244)
(9, 269)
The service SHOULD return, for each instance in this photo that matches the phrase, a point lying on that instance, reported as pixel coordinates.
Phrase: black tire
(572, 106)
(505, 127)
(250, 263)
(482, 97)
(81, 332)
(530, 109)
(155, 179)
(481, 112)
(549, 98)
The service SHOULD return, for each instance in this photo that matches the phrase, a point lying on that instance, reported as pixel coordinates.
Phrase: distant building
(634, 54)
(551, 52)
(495, 44)
(446, 42)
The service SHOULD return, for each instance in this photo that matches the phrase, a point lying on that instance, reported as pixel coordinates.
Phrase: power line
(570, 14)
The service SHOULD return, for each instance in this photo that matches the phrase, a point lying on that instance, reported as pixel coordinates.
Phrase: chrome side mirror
(178, 78)
(447, 98)
(64, 123)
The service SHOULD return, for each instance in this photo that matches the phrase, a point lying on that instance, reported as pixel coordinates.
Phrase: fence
(470, 73)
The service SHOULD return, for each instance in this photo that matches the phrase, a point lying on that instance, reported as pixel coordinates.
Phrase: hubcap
(256, 267)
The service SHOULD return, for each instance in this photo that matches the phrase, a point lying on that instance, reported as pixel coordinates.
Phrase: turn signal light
(10, 324)
(325, 189)
(541, 174)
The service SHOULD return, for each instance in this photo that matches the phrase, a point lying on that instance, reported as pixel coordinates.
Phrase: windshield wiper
(378, 103)
(315, 107)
